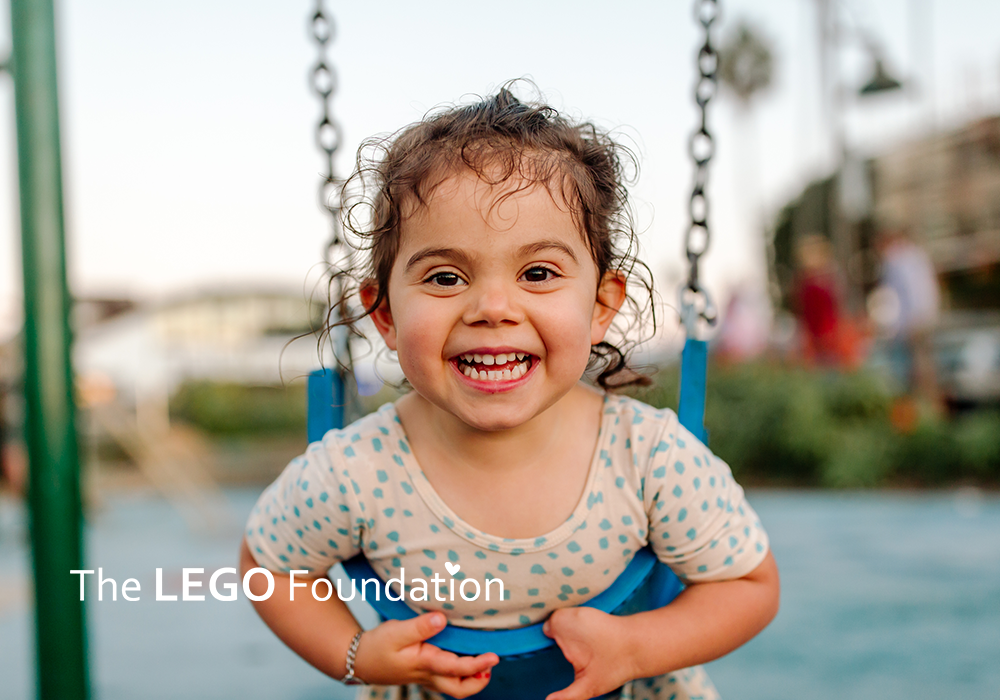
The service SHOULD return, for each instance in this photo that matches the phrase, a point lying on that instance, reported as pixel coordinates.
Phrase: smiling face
(493, 301)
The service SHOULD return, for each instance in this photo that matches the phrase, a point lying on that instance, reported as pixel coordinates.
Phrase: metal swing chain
(701, 146)
(328, 134)
(328, 139)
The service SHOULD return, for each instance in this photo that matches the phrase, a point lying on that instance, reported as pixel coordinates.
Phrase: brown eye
(538, 274)
(445, 279)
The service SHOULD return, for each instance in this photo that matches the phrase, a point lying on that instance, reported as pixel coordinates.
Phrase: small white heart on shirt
(452, 568)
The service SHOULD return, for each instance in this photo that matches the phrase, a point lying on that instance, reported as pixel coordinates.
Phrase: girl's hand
(396, 653)
(590, 640)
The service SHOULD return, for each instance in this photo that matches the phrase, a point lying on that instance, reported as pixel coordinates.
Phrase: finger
(417, 629)
(444, 663)
(461, 687)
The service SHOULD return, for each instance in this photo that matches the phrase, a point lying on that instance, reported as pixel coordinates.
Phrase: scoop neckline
(522, 545)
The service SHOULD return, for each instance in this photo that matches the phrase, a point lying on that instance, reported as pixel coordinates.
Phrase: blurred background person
(818, 302)
(746, 325)
(908, 274)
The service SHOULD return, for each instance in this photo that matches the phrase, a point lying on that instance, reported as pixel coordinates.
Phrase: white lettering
(340, 593)
(83, 573)
(246, 584)
(422, 587)
(461, 589)
(159, 587)
(364, 584)
(402, 585)
(231, 587)
(437, 589)
(292, 585)
(488, 588)
(127, 588)
(100, 585)
(187, 584)
(329, 589)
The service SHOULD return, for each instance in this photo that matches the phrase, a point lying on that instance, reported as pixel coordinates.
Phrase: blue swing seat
(531, 664)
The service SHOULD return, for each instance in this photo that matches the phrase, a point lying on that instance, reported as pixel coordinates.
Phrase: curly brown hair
(497, 138)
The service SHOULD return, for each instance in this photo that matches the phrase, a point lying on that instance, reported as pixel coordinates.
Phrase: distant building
(944, 190)
(247, 336)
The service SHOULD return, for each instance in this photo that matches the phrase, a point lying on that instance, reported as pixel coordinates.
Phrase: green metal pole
(50, 420)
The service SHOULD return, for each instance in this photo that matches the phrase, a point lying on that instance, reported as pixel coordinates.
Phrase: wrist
(627, 640)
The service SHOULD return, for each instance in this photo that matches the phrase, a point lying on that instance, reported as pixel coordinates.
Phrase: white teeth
(495, 375)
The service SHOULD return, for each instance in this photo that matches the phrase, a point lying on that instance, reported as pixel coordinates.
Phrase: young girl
(497, 251)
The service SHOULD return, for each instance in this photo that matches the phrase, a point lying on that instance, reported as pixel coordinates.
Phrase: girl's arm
(394, 653)
(706, 621)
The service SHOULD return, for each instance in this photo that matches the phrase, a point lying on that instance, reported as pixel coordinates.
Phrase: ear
(610, 297)
(380, 315)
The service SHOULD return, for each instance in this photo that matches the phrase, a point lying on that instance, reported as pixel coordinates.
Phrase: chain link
(701, 147)
(328, 135)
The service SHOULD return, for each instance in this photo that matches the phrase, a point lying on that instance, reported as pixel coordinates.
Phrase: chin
(494, 421)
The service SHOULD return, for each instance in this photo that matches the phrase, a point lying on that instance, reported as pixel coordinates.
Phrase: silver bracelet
(352, 653)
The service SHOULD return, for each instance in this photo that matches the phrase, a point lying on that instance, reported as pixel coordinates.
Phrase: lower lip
(495, 386)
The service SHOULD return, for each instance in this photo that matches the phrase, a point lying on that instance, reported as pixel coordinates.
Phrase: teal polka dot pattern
(650, 483)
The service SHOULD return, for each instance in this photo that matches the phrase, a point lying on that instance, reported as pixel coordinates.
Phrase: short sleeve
(308, 518)
(700, 523)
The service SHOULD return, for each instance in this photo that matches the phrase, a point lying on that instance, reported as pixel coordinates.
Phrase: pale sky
(188, 126)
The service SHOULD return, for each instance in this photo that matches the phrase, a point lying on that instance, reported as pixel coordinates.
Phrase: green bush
(978, 437)
(929, 456)
(768, 423)
(862, 457)
(781, 425)
(228, 409)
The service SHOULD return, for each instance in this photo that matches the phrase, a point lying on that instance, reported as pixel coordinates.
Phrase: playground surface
(885, 595)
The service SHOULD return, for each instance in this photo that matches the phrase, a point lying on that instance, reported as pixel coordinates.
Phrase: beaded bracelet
(352, 652)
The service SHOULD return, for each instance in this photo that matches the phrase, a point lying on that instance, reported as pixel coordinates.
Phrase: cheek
(419, 337)
(568, 331)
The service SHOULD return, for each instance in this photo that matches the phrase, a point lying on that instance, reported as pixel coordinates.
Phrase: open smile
(497, 367)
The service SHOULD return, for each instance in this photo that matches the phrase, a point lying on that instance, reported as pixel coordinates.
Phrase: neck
(490, 451)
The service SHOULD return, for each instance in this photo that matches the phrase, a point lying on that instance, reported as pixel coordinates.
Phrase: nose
(492, 304)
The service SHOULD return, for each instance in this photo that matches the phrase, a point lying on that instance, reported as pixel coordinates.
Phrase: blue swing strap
(694, 370)
(324, 403)
(642, 573)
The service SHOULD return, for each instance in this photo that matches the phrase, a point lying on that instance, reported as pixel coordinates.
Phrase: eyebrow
(539, 246)
(447, 253)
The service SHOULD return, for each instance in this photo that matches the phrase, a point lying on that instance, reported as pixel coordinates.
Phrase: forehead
(465, 204)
